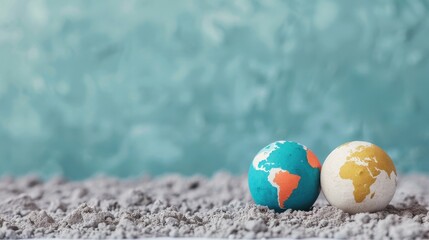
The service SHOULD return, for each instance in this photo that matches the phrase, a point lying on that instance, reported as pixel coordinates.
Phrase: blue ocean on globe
(285, 175)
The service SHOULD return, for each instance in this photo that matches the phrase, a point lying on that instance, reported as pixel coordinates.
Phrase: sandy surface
(174, 206)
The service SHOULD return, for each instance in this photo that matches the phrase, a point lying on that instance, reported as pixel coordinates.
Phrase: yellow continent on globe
(363, 166)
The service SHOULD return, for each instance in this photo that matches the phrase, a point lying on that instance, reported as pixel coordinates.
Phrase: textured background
(134, 87)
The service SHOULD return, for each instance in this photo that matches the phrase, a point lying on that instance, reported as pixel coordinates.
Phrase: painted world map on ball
(285, 175)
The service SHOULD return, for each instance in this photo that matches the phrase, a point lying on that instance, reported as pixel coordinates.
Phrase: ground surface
(176, 206)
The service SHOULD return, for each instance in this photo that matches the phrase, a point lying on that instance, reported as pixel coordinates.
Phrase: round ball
(285, 175)
(358, 177)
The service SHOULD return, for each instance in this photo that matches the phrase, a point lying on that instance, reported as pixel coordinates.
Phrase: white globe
(358, 177)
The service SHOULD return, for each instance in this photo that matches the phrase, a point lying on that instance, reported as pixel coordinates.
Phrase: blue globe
(285, 175)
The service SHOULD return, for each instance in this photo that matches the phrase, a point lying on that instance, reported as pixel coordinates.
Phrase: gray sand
(176, 206)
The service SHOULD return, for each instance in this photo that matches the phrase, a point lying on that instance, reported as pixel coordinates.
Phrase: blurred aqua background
(134, 87)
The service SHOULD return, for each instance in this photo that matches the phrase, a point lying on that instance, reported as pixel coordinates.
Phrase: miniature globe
(285, 175)
(358, 177)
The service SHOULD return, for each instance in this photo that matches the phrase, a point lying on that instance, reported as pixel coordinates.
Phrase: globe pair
(356, 177)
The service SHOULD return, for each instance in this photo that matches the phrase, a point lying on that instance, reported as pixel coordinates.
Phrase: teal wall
(134, 87)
